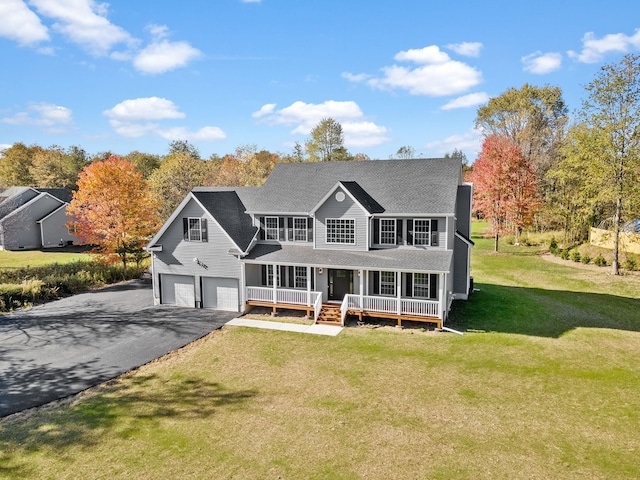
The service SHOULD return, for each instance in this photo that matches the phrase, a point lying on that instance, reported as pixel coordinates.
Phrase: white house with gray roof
(387, 239)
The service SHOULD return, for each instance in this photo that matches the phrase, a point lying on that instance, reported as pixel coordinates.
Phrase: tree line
(540, 168)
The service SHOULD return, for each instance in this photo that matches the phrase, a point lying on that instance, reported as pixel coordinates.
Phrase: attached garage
(178, 290)
(220, 293)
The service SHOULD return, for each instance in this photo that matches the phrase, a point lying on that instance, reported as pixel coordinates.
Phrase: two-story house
(384, 239)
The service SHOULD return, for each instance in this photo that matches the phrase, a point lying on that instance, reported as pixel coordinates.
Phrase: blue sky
(134, 75)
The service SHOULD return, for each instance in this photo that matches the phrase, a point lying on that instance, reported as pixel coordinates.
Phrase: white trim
(461, 237)
(331, 192)
(266, 230)
(306, 229)
(428, 220)
(395, 233)
(199, 219)
(326, 231)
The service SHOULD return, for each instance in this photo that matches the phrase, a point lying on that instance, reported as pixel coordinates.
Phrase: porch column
(441, 291)
(361, 273)
(275, 283)
(399, 291)
(308, 286)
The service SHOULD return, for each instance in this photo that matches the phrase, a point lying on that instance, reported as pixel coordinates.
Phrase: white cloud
(540, 63)
(468, 49)
(141, 116)
(54, 118)
(358, 132)
(205, 134)
(360, 77)
(162, 55)
(4, 146)
(266, 109)
(594, 49)
(466, 101)
(21, 24)
(84, 23)
(469, 142)
(437, 75)
(150, 108)
(430, 54)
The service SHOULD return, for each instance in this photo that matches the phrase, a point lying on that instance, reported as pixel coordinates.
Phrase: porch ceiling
(410, 260)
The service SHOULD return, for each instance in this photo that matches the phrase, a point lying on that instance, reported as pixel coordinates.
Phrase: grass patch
(38, 258)
(544, 384)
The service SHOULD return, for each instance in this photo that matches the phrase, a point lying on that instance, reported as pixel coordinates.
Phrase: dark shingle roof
(63, 194)
(388, 259)
(227, 208)
(363, 197)
(423, 186)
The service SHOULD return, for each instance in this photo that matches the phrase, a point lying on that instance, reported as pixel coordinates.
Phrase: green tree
(146, 163)
(405, 152)
(56, 167)
(460, 155)
(607, 143)
(326, 143)
(534, 118)
(15, 165)
(183, 147)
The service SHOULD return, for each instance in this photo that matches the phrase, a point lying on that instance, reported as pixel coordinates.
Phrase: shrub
(564, 254)
(600, 261)
(509, 239)
(630, 264)
(575, 256)
(585, 258)
(553, 246)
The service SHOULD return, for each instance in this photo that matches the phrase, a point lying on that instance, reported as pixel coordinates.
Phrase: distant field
(37, 258)
(543, 384)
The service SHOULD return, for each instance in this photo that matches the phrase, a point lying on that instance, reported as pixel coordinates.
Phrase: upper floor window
(340, 230)
(421, 232)
(194, 229)
(387, 231)
(300, 229)
(271, 228)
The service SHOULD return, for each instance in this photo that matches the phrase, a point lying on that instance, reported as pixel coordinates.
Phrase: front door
(340, 283)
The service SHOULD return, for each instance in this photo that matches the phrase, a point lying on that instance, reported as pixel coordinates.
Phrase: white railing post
(308, 286)
(274, 278)
(399, 293)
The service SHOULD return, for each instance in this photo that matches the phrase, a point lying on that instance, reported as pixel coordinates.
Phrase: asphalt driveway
(61, 348)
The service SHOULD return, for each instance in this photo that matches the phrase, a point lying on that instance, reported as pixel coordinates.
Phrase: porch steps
(330, 315)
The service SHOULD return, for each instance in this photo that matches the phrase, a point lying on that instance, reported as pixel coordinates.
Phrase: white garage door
(178, 290)
(220, 293)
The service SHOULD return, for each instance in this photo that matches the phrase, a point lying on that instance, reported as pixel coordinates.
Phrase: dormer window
(300, 229)
(387, 231)
(271, 228)
(421, 232)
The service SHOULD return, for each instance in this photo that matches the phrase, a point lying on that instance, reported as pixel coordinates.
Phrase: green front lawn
(544, 384)
(39, 258)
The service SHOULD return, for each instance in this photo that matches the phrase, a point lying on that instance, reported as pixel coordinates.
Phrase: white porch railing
(408, 306)
(283, 295)
(317, 306)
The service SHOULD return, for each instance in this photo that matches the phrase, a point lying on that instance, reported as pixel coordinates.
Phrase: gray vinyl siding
(17, 200)
(460, 267)
(21, 229)
(55, 231)
(177, 255)
(347, 209)
(463, 210)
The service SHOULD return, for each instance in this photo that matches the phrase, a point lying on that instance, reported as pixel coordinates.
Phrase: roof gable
(357, 194)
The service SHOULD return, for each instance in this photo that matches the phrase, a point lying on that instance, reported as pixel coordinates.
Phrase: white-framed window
(341, 230)
(300, 229)
(387, 231)
(195, 230)
(270, 276)
(421, 285)
(271, 231)
(300, 275)
(388, 283)
(422, 232)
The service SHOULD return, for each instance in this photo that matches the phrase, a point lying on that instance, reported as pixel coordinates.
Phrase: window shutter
(262, 233)
(409, 232)
(434, 233)
(185, 229)
(313, 278)
(310, 229)
(281, 229)
(376, 283)
(399, 232)
(291, 281)
(376, 231)
(204, 233)
(290, 229)
(433, 286)
(409, 284)
(264, 275)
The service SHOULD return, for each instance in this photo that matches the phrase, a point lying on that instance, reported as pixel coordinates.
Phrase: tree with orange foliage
(505, 186)
(114, 209)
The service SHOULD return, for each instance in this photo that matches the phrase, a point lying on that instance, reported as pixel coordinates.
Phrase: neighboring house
(386, 239)
(34, 218)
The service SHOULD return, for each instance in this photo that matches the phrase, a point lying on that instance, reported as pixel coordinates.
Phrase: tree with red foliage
(505, 186)
(114, 209)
